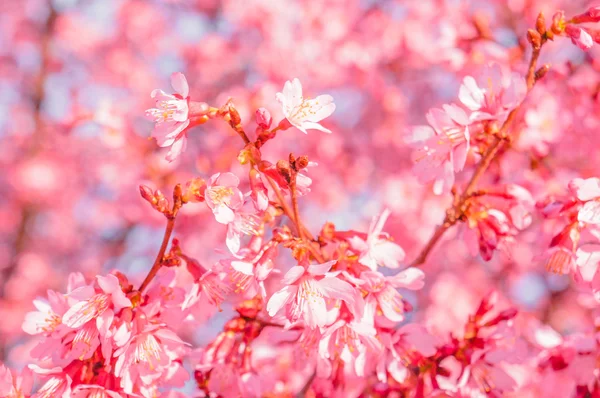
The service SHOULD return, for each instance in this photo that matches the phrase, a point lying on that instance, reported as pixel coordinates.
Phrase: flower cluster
(267, 282)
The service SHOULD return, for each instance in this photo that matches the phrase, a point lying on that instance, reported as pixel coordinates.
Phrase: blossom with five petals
(303, 113)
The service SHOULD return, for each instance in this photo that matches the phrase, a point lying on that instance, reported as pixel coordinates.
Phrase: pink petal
(79, 314)
(387, 254)
(244, 267)
(223, 214)
(590, 212)
(587, 260)
(108, 283)
(336, 288)
(178, 147)
(120, 300)
(306, 125)
(587, 189)
(470, 94)
(6, 381)
(321, 269)
(293, 275)
(180, 84)
(227, 180)
(280, 298)
(411, 278)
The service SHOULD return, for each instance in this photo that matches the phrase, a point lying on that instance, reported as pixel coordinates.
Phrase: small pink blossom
(305, 290)
(95, 305)
(173, 114)
(442, 148)
(304, 114)
(242, 224)
(494, 219)
(58, 386)
(353, 342)
(303, 182)
(494, 94)
(377, 251)
(223, 196)
(560, 256)
(263, 118)
(382, 293)
(13, 385)
(149, 356)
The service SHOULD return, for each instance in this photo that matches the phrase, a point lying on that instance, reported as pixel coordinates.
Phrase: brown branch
(294, 194)
(159, 257)
(454, 213)
(171, 215)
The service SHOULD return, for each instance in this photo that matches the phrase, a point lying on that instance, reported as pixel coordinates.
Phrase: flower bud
(541, 72)
(147, 194)
(235, 120)
(534, 38)
(283, 168)
(263, 118)
(301, 162)
(250, 154)
(558, 23)
(162, 204)
(194, 190)
(540, 23)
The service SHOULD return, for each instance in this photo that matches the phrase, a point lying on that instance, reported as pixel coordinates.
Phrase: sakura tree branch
(177, 203)
(456, 212)
(294, 194)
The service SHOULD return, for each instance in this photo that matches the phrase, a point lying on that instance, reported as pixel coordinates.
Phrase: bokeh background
(76, 77)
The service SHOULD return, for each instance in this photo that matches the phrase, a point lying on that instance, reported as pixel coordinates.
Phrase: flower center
(220, 195)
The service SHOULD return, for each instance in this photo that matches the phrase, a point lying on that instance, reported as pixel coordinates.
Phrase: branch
(171, 215)
(454, 213)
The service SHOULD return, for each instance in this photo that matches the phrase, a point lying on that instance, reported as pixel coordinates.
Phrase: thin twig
(159, 257)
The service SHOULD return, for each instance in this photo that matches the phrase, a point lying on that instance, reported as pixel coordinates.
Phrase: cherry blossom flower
(173, 114)
(442, 148)
(494, 219)
(223, 196)
(13, 385)
(352, 342)
(96, 306)
(305, 290)
(148, 356)
(494, 94)
(304, 114)
(375, 251)
(382, 291)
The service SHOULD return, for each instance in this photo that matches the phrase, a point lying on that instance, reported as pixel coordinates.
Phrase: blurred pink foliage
(168, 231)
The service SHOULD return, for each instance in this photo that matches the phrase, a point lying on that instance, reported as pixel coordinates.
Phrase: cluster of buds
(160, 203)
(290, 168)
(583, 38)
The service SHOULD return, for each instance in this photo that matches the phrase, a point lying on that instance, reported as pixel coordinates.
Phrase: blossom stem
(159, 257)
(290, 214)
(177, 203)
(294, 193)
(457, 210)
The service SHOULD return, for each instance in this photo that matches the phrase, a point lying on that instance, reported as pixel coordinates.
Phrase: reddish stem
(159, 257)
